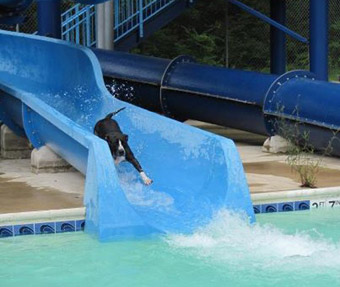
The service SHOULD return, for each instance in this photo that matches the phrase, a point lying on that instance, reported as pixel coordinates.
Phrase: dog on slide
(109, 130)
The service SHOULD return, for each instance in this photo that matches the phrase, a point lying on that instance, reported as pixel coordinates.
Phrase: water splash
(122, 90)
(229, 240)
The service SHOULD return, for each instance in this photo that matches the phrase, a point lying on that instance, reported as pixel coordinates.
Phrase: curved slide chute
(53, 92)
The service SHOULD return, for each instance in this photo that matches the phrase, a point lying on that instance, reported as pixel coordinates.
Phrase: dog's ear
(126, 138)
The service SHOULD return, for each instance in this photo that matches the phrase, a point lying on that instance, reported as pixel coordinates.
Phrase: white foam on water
(232, 241)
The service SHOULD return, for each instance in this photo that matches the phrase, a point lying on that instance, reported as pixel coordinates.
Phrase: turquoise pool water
(283, 249)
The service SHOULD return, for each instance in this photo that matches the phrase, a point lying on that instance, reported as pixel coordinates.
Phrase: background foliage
(201, 31)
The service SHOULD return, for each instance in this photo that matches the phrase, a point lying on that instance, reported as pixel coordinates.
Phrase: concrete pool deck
(23, 191)
(267, 172)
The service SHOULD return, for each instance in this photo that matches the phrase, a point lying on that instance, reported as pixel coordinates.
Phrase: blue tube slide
(53, 92)
(249, 101)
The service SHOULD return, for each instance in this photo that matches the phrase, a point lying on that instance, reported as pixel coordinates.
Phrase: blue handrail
(78, 25)
(78, 22)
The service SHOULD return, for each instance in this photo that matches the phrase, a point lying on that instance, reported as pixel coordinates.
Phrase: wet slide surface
(53, 92)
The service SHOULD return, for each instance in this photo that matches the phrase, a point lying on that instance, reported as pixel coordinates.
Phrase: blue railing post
(116, 11)
(318, 33)
(141, 20)
(49, 20)
(66, 27)
(278, 38)
(77, 25)
(128, 8)
(92, 34)
(88, 30)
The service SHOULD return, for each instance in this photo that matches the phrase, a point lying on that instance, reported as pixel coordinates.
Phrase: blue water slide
(53, 92)
(251, 101)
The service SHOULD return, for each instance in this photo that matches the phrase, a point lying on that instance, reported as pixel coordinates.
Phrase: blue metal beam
(49, 20)
(318, 29)
(278, 38)
(269, 21)
(12, 20)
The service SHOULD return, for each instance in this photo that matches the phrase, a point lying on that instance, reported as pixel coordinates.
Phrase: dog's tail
(110, 115)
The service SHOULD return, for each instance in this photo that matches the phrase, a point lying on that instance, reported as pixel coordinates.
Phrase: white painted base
(45, 160)
(13, 146)
(275, 144)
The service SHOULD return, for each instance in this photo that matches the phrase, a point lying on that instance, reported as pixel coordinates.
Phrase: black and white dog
(109, 130)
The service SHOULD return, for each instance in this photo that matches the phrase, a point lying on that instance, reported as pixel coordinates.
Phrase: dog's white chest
(119, 159)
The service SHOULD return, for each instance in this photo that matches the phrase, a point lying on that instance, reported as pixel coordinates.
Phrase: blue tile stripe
(78, 225)
(282, 206)
(42, 228)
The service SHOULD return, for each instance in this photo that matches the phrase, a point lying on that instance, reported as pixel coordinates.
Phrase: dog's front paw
(148, 181)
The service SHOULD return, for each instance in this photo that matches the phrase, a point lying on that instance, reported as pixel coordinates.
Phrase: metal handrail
(78, 22)
(159, 10)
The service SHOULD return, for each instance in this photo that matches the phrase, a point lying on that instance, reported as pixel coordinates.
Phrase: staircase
(135, 20)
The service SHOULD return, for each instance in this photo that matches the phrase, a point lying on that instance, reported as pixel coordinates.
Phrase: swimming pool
(282, 249)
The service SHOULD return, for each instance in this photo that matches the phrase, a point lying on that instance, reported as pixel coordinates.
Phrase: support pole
(100, 30)
(278, 38)
(49, 19)
(318, 32)
(227, 34)
(105, 25)
(109, 25)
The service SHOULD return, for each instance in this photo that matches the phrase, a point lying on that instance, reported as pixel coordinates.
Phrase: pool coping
(309, 193)
(42, 216)
(73, 219)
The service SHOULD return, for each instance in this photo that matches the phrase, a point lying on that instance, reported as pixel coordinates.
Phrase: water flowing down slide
(53, 92)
